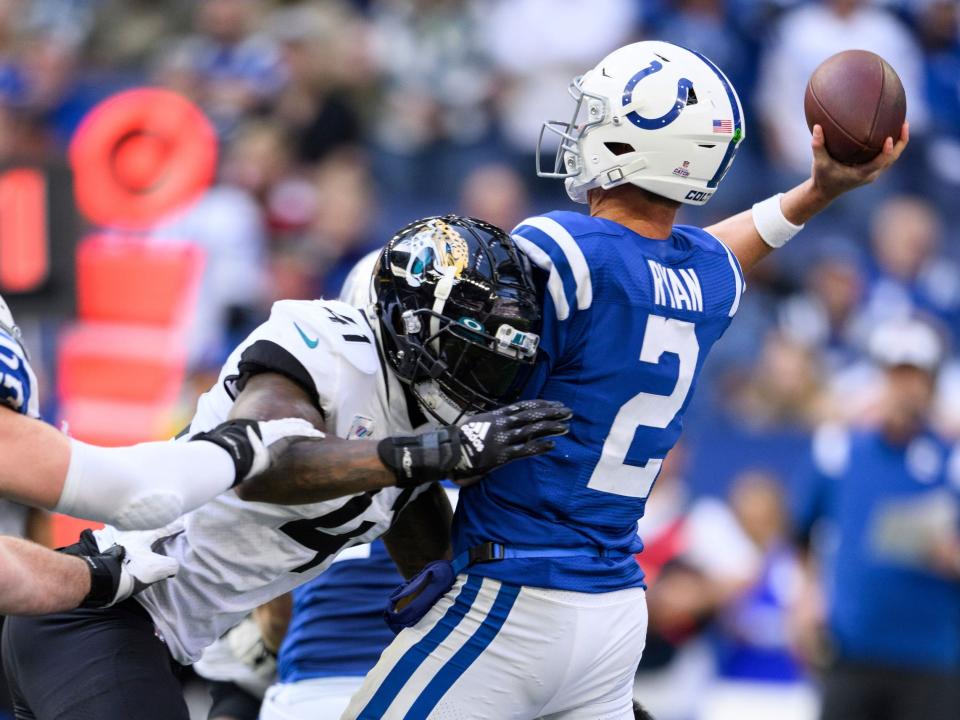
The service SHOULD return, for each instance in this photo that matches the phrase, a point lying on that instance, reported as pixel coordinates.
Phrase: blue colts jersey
(628, 323)
(337, 628)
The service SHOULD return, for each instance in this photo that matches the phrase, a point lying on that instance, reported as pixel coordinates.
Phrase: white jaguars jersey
(236, 555)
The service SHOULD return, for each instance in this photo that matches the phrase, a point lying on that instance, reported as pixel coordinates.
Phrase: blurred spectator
(497, 194)
(891, 549)
(696, 558)
(127, 34)
(540, 46)
(939, 34)
(910, 274)
(43, 83)
(805, 37)
(434, 118)
(318, 46)
(236, 69)
(229, 225)
(784, 388)
(261, 163)
(437, 76)
(826, 315)
(758, 676)
(341, 231)
(708, 26)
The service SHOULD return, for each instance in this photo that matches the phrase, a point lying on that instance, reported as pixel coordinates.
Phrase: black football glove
(478, 445)
(116, 573)
(249, 441)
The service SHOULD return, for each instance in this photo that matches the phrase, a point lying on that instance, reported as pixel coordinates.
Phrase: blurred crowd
(340, 120)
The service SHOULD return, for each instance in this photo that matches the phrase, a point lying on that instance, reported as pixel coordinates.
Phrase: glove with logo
(119, 571)
(478, 445)
(253, 444)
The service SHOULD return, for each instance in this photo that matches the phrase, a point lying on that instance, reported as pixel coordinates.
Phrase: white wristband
(772, 224)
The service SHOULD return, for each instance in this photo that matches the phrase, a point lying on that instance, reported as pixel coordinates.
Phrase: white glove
(141, 568)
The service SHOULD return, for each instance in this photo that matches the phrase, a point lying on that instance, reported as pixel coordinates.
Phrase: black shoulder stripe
(266, 356)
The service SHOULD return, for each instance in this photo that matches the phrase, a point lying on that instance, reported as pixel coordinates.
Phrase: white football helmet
(652, 114)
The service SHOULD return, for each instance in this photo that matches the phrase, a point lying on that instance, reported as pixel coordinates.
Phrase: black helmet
(458, 311)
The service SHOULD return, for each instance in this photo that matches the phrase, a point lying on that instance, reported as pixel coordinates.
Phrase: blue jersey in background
(883, 608)
(628, 323)
(337, 628)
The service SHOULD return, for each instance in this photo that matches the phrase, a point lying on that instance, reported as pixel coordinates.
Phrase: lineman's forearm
(35, 580)
(143, 486)
(138, 487)
(312, 471)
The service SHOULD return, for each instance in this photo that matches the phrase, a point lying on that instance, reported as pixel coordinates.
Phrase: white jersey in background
(236, 555)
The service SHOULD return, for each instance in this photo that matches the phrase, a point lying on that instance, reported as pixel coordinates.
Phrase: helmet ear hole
(619, 148)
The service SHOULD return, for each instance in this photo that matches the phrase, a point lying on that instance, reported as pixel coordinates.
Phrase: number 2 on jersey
(612, 474)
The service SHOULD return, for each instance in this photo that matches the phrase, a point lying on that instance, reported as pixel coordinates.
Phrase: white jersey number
(612, 474)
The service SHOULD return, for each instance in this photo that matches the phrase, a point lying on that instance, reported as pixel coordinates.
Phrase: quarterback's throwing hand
(831, 178)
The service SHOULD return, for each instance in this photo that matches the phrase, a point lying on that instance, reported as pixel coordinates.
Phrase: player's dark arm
(306, 471)
(828, 180)
(313, 470)
(421, 533)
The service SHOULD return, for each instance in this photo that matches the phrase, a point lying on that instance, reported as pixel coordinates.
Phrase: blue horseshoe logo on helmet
(683, 91)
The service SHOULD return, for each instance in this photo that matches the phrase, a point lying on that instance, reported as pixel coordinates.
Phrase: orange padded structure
(112, 424)
(130, 280)
(128, 363)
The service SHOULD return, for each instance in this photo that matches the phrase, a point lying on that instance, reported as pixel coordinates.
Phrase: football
(858, 100)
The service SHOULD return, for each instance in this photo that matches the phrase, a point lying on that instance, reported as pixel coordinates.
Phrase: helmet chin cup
(577, 193)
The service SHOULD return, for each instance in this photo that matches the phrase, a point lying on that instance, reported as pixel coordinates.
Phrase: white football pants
(492, 651)
(316, 699)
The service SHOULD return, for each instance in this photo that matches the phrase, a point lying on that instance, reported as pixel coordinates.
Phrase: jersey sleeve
(565, 283)
(306, 342)
(729, 275)
(18, 383)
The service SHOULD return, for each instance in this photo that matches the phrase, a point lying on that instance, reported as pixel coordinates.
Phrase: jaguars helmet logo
(434, 252)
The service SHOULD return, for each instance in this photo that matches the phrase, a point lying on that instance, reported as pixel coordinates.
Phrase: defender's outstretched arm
(828, 180)
(314, 470)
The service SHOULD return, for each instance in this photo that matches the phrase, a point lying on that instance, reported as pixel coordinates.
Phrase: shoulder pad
(341, 328)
